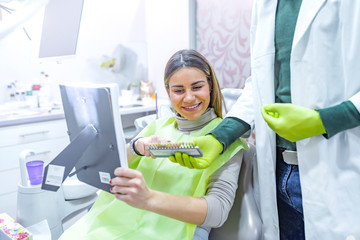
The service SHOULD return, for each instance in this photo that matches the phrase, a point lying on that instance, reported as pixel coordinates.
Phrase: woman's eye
(178, 90)
(197, 87)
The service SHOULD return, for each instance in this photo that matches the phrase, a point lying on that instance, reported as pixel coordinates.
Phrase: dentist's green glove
(210, 147)
(293, 122)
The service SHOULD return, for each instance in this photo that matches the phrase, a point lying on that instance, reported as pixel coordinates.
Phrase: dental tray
(169, 149)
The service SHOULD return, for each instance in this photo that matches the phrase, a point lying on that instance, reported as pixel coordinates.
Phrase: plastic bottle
(9, 93)
(45, 91)
(12, 90)
(30, 99)
(35, 92)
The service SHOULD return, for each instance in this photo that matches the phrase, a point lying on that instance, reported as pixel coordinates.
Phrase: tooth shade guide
(169, 149)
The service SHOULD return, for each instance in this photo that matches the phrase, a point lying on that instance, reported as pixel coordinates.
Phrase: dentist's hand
(129, 186)
(210, 147)
(293, 122)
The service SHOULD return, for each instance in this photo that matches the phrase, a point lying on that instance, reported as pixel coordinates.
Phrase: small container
(35, 92)
(35, 171)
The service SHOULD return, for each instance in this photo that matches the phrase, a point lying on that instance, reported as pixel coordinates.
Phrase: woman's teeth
(192, 106)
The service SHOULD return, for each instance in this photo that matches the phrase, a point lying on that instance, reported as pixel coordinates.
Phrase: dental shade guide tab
(169, 149)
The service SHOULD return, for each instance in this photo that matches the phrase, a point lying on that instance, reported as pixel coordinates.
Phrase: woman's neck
(186, 126)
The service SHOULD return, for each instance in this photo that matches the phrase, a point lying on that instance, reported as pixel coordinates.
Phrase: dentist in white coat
(307, 101)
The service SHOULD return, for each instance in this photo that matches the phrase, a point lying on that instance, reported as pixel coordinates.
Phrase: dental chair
(164, 110)
(35, 205)
(244, 220)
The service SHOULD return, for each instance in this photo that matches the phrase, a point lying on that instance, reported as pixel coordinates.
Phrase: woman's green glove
(210, 147)
(292, 122)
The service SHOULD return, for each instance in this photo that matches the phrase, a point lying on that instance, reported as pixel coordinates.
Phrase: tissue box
(12, 230)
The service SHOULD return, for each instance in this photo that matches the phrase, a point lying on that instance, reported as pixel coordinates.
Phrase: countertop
(24, 116)
(12, 114)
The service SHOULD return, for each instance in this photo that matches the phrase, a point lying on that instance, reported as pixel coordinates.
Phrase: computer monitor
(97, 144)
(60, 30)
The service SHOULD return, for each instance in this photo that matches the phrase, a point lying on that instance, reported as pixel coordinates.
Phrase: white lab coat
(325, 71)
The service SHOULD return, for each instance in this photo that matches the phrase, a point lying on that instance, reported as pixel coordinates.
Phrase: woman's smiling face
(189, 92)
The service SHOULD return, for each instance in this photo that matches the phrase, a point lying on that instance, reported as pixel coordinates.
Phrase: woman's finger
(127, 172)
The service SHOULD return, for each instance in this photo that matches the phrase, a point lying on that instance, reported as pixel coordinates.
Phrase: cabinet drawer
(8, 204)
(9, 181)
(32, 132)
(44, 150)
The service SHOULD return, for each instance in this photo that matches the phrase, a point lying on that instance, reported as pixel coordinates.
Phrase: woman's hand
(141, 144)
(129, 186)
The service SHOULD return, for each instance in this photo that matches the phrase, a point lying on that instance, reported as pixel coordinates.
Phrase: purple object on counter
(35, 171)
(156, 104)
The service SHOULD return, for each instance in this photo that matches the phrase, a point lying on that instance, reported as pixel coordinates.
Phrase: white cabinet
(47, 139)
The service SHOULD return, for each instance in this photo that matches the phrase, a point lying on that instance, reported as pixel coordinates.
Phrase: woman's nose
(189, 96)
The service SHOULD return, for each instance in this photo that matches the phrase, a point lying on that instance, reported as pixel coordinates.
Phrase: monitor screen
(60, 29)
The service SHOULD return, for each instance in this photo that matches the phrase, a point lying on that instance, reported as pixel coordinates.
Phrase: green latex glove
(210, 147)
(292, 122)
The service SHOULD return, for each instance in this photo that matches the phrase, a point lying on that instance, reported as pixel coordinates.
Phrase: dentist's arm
(129, 186)
(341, 117)
(295, 123)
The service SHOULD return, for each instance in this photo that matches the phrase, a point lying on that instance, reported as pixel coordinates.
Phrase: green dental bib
(111, 218)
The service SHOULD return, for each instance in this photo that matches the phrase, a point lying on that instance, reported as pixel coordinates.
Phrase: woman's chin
(192, 115)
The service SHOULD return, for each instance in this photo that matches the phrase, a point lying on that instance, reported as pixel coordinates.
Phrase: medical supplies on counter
(12, 230)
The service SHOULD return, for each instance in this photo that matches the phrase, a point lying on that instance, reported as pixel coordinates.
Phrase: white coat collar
(308, 11)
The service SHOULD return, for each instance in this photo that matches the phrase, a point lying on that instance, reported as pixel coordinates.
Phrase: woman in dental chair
(159, 199)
